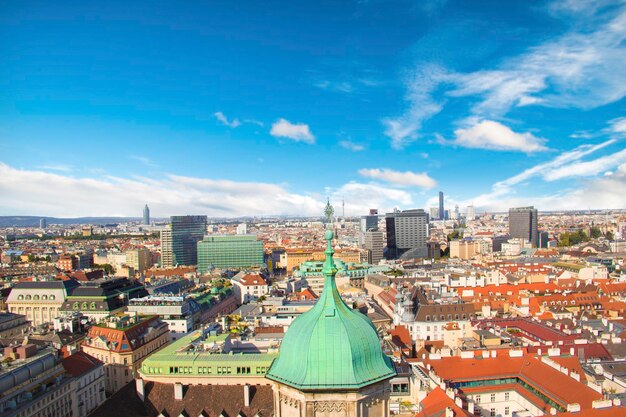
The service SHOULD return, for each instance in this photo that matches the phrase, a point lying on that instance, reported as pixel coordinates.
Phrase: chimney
(178, 391)
(140, 388)
(246, 395)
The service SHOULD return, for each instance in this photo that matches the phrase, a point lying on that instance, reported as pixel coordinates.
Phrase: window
(28, 297)
(506, 396)
(492, 412)
(493, 398)
(52, 297)
(506, 411)
(477, 399)
(93, 306)
(44, 297)
(36, 297)
(20, 297)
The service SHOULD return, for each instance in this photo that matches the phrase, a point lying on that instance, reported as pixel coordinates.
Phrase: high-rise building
(43, 223)
(471, 213)
(369, 222)
(139, 259)
(374, 244)
(166, 247)
(180, 239)
(407, 230)
(442, 213)
(229, 251)
(146, 215)
(523, 224)
(434, 213)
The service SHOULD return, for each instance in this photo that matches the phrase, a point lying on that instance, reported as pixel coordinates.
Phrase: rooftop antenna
(343, 208)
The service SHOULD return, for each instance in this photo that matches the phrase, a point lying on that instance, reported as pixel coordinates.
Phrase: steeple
(331, 346)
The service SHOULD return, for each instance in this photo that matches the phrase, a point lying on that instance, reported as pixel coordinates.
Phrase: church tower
(331, 363)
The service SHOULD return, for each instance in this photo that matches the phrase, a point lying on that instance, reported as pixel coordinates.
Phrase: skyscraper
(471, 214)
(369, 222)
(442, 213)
(374, 244)
(146, 215)
(523, 224)
(43, 223)
(180, 239)
(407, 230)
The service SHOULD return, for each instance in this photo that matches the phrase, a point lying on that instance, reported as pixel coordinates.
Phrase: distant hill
(33, 221)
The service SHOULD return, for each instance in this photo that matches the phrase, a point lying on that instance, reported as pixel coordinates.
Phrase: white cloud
(405, 129)
(298, 132)
(606, 192)
(56, 167)
(37, 193)
(360, 197)
(488, 134)
(221, 117)
(587, 168)
(144, 160)
(502, 193)
(351, 146)
(406, 178)
(618, 126)
(29, 192)
(583, 68)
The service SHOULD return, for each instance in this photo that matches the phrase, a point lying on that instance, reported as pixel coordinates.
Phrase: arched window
(93, 306)
(75, 306)
(84, 306)
(52, 297)
(20, 297)
(36, 297)
(28, 297)
(44, 297)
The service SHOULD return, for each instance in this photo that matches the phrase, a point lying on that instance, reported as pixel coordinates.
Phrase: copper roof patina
(331, 346)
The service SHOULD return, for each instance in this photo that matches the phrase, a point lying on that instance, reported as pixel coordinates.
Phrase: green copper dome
(330, 346)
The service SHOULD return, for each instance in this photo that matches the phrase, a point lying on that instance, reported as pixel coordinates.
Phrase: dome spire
(330, 346)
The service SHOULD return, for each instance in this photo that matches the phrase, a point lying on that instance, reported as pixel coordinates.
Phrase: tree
(609, 235)
(595, 232)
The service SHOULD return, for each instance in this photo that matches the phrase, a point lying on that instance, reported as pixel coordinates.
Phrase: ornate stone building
(331, 363)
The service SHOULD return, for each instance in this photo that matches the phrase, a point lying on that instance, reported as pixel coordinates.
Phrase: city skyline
(228, 110)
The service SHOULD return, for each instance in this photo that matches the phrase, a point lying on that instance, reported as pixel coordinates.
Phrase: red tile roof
(436, 403)
(552, 383)
(80, 363)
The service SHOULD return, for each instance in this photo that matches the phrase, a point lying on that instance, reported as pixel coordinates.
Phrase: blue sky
(241, 108)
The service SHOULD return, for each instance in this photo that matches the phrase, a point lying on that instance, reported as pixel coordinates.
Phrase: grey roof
(68, 285)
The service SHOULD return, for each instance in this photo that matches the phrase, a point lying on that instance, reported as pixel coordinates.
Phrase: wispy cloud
(580, 69)
(488, 134)
(351, 146)
(405, 129)
(617, 126)
(56, 167)
(587, 168)
(298, 132)
(144, 160)
(221, 117)
(406, 178)
(566, 161)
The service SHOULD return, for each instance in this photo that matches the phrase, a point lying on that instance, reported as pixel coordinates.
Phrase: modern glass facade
(229, 251)
(186, 232)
